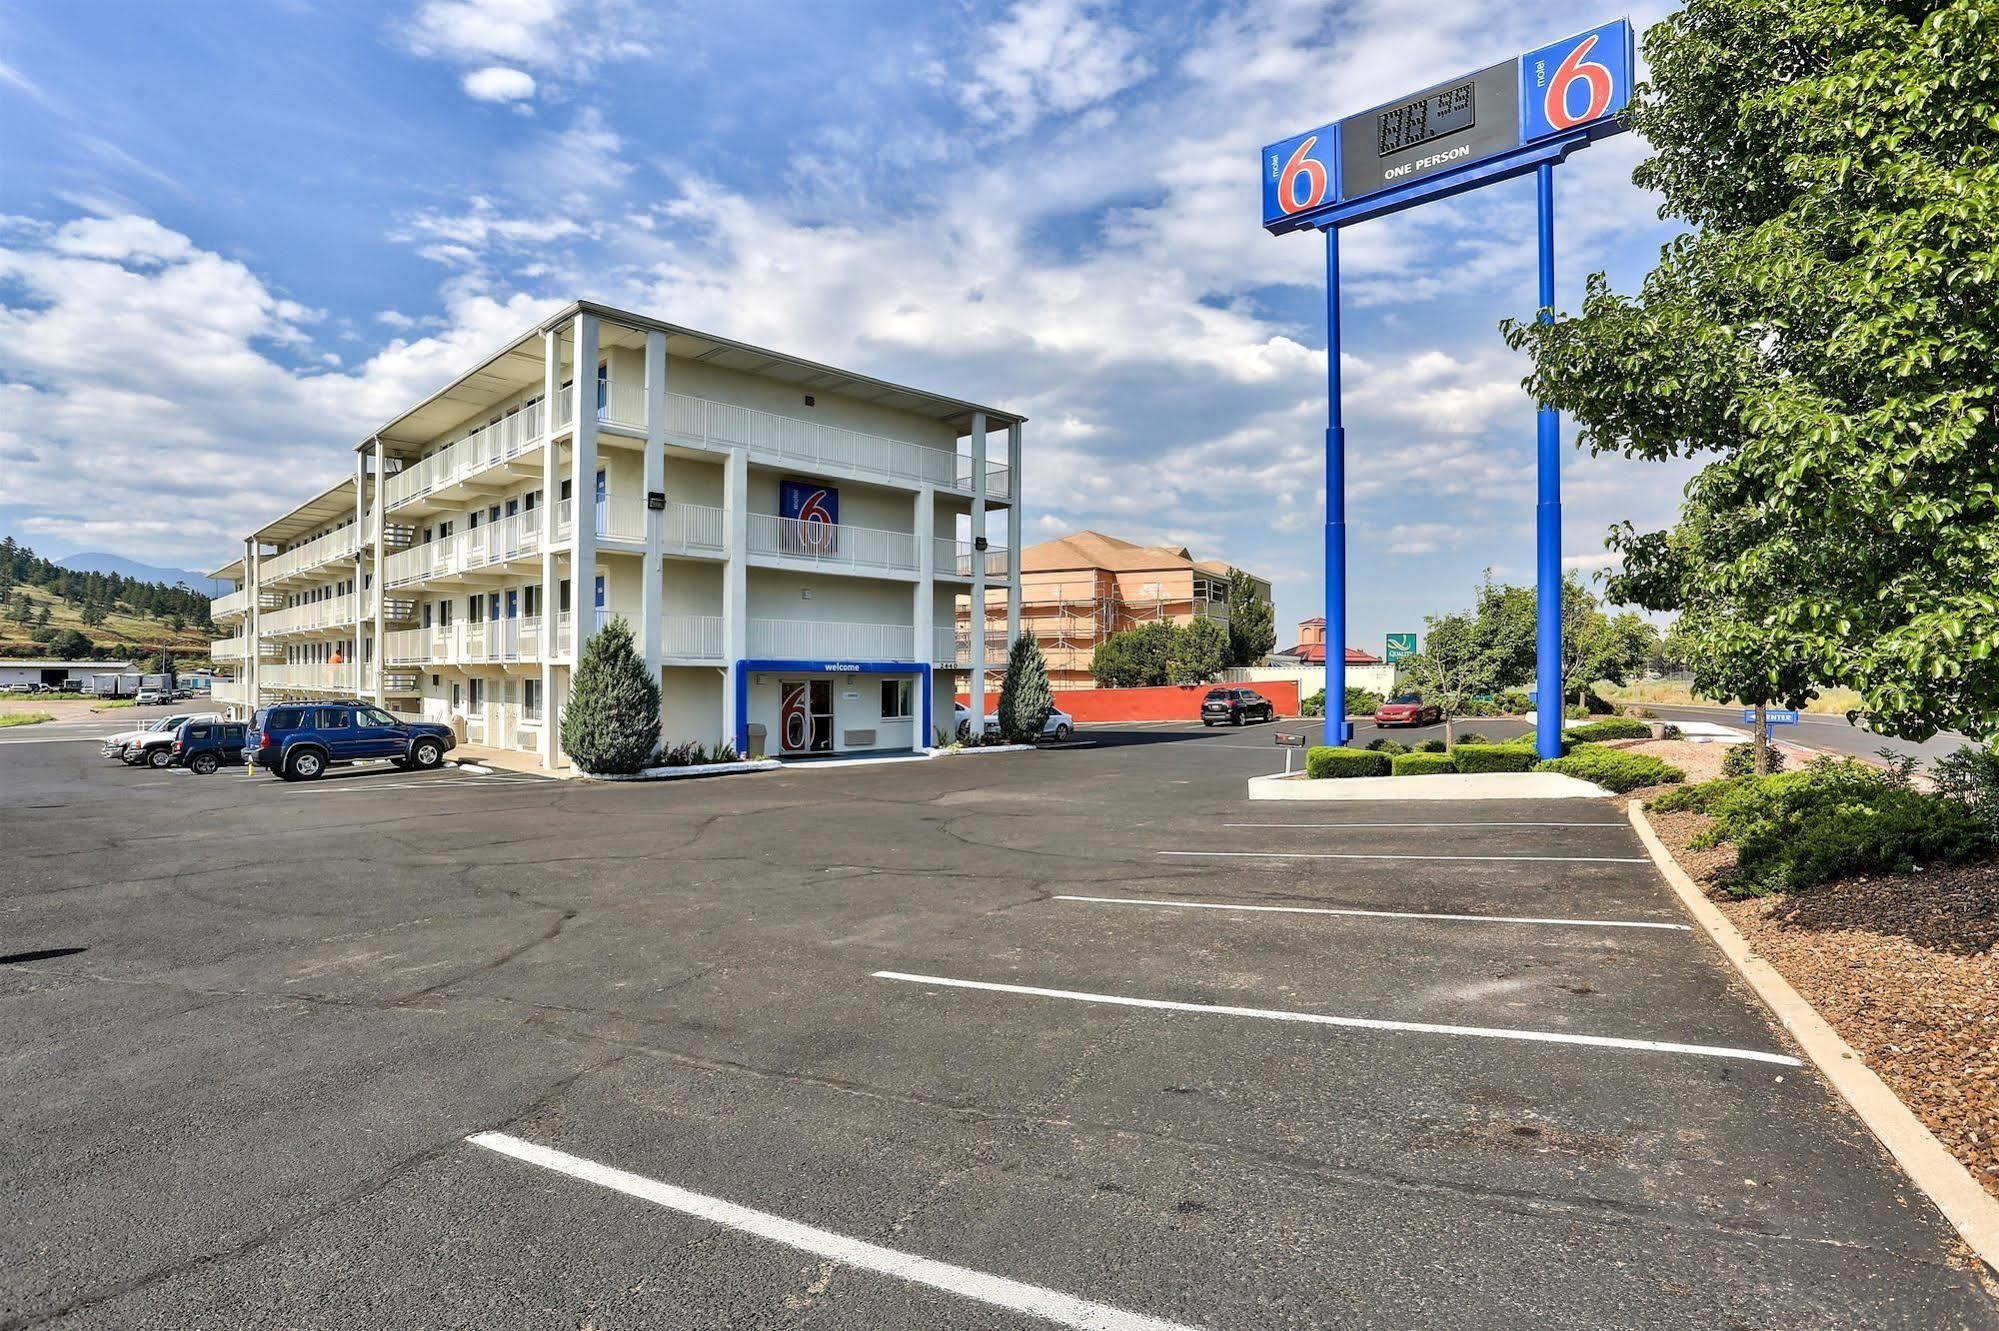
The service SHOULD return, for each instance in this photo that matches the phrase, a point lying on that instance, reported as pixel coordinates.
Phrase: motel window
(473, 605)
(600, 485)
(531, 699)
(444, 614)
(457, 697)
(531, 600)
(530, 499)
(566, 490)
(896, 700)
(476, 695)
(562, 596)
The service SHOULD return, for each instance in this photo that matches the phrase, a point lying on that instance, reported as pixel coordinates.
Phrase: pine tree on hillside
(612, 722)
(1025, 698)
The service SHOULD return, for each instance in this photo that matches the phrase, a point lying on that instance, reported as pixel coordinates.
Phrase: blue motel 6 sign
(1525, 114)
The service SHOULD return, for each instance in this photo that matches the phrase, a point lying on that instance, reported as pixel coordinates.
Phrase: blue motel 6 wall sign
(1524, 114)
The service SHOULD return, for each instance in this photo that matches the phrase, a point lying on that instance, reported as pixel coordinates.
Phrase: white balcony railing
(835, 544)
(229, 607)
(229, 649)
(319, 551)
(306, 678)
(229, 691)
(332, 613)
(958, 559)
(704, 424)
(691, 637)
(485, 447)
(513, 537)
(999, 478)
(803, 639)
(694, 529)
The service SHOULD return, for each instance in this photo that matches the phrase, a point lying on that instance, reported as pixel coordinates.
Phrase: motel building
(791, 544)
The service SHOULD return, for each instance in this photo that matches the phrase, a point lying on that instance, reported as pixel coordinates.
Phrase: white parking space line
(1013, 1295)
(1490, 824)
(1359, 1023)
(1329, 855)
(352, 786)
(1382, 914)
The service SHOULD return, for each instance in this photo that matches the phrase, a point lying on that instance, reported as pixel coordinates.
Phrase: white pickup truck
(152, 744)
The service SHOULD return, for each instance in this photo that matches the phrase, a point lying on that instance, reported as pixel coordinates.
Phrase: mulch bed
(1905, 967)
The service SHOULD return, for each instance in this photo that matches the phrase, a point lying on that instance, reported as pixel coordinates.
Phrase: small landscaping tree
(1252, 620)
(1135, 658)
(1456, 664)
(1025, 698)
(1199, 652)
(612, 722)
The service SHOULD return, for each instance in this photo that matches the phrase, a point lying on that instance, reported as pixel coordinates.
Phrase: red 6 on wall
(1578, 67)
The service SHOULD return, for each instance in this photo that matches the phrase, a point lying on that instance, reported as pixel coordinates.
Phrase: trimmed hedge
(1493, 758)
(1433, 746)
(1387, 746)
(1423, 764)
(1324, 761)
(1610, 727)
(1614, 769)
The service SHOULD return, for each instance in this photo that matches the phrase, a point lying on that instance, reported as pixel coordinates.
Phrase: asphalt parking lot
(992, 1041)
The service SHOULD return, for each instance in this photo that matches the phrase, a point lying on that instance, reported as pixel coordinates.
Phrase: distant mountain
(97, 562)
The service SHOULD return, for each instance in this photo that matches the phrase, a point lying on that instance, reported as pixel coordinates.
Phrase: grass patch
(1836, 702)
(112, 704)
(24, 718)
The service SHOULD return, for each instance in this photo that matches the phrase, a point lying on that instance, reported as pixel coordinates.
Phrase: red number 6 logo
(1314, 172)
(1573, 67)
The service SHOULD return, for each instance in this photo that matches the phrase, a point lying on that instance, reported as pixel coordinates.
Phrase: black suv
(204, 746)
(1236, 706)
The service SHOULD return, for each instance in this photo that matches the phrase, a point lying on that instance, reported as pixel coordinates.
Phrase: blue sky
(234, 238)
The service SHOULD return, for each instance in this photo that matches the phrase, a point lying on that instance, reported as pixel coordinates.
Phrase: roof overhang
(229, 572)
(519, 364)
(327, 506)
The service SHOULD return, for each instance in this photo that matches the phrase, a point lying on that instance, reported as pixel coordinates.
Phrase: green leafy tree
(1135, 658)
(1025, 698)
(69, 645)
(611, 724)
(1252, 621)
(42, 616)
(22, 610)
(93, 615)
(1827, 337)
(1597, 646)
(1199, 651)
(1458, 663)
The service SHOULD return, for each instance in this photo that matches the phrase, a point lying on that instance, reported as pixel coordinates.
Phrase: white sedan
(1058, 725)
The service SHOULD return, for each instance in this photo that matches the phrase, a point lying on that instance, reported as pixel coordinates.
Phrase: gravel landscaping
(1905, 967)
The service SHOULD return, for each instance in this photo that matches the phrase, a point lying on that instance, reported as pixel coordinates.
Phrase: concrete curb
(1943, 1179)
(1437, 786)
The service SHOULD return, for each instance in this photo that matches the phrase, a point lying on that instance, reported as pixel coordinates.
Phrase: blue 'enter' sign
(1771, 716)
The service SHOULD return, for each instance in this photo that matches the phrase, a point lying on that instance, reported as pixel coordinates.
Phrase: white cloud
(501, 41)
(498, 83)
(137, 369)
(1047, 57)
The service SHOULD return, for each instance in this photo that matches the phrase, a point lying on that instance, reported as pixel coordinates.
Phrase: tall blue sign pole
(1523, 115)
(1548, 514)
(1338, 729)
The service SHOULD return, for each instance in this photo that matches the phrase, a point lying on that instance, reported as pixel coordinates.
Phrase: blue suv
(299, 741)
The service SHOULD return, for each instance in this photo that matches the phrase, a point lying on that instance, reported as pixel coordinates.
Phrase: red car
(1407, 712)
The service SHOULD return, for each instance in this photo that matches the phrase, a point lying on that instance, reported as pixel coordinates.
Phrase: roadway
(992, 1041)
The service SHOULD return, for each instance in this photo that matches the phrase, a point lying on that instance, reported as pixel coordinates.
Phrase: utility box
(756, 740)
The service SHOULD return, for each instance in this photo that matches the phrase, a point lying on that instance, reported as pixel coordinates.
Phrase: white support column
(924, 609)
(360, 557)
(735, 584)
(254, 620)
(1015, 534)
(652, 581)
(583, 482)
(551, 388)
(978, 616)
(381, 689)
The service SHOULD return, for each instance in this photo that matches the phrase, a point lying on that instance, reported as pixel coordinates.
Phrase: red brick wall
(1173, 702)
